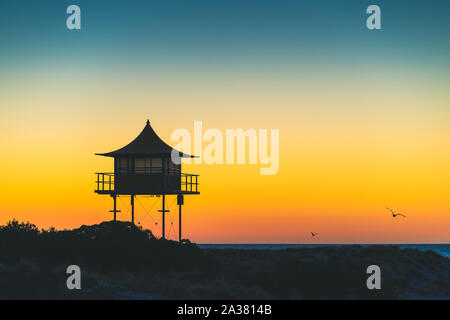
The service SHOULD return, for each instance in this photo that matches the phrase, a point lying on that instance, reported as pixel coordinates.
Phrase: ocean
(442, 249)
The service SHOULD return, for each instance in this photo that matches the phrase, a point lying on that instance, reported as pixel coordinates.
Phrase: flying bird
(396, 214)
(313, 234)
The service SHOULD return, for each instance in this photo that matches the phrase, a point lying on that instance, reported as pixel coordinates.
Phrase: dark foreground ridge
(121, 261)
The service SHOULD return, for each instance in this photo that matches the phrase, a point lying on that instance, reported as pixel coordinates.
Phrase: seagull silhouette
(396, 214)
(313, 234)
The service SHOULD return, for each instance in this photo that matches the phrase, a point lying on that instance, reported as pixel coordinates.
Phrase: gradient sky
(364, 116)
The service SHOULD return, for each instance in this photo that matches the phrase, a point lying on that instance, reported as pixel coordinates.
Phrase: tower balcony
(146, 184)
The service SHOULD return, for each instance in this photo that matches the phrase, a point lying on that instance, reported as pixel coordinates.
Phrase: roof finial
(148, 122)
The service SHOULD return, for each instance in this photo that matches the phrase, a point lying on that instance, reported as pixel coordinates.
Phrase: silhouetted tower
(145, 167)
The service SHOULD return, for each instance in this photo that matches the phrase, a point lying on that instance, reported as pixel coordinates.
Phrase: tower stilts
(115, 207)
(114, 196)
(179, 222)
(163, 217)
(163, 212)
(132, 209)
(180, 201)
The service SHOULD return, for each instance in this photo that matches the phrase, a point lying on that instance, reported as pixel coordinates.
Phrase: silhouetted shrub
(107, 246)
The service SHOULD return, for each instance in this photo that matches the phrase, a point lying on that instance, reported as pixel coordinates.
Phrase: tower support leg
(163, 212)
(132, 209)
(180, 202)
(179, 222)
(115, 206)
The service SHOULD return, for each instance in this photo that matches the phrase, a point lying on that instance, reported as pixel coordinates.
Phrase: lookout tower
(145, 167)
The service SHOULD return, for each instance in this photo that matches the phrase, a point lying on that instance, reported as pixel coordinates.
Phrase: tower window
(147, 165)
(124, 165)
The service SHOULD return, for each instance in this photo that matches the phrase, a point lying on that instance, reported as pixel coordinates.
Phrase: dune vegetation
(121, 261)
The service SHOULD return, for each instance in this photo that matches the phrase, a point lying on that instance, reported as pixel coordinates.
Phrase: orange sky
(363, 116)
(336, 175)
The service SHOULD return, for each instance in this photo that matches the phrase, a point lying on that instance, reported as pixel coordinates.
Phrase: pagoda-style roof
(147, 143)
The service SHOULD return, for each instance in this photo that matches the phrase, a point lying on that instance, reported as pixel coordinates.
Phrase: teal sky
(223, 35)
(249, 48)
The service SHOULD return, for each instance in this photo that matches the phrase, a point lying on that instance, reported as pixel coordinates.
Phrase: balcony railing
(188, 182)
(105, 181)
